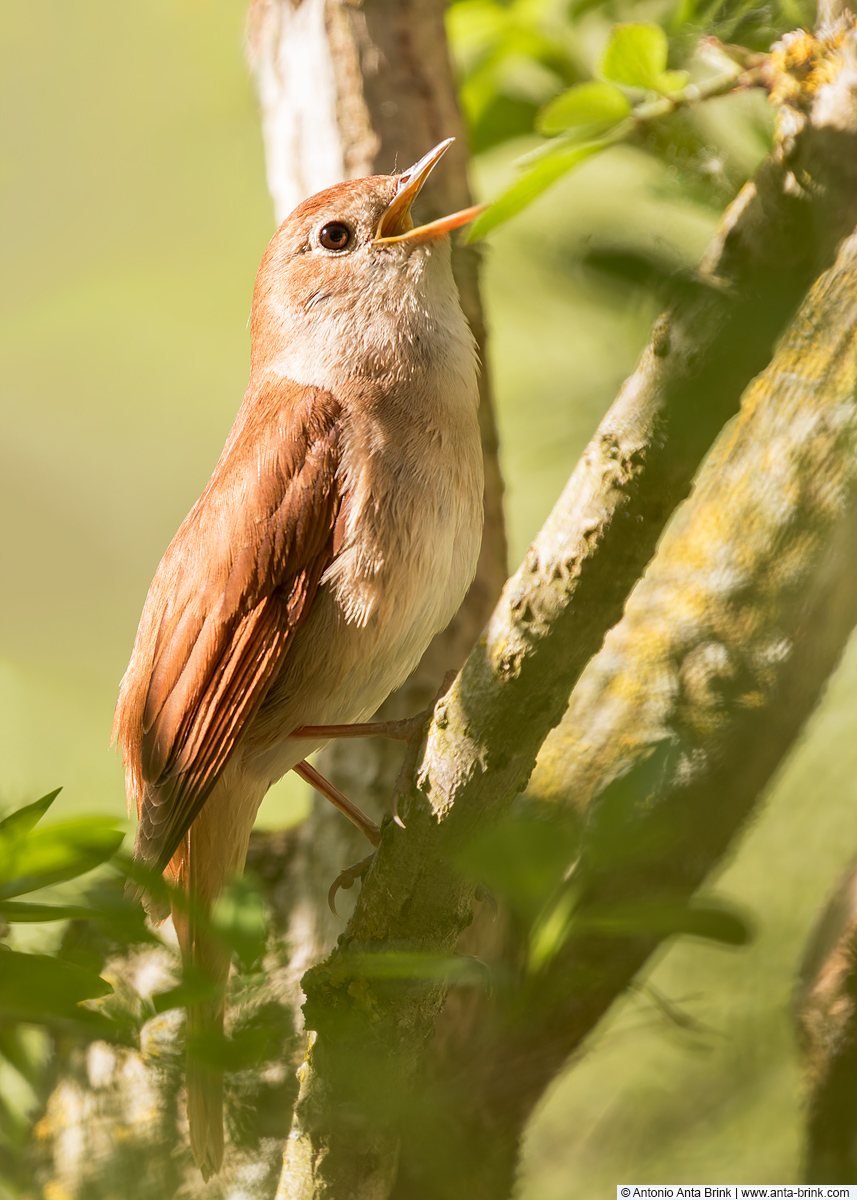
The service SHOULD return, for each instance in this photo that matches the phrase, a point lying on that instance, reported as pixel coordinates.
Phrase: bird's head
(348, 276)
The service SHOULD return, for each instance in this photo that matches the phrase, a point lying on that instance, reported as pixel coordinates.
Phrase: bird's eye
(335, 236)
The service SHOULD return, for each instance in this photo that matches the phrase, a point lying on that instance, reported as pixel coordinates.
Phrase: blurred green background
(134, 215)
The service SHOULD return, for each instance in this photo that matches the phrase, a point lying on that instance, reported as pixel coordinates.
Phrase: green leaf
(521, 860)
(415, 966)
(717, 923)
(627, 825)
(672, 83)
(551, 930)
(584, 105)
(14, 910)
(664, 917)
(197, 990)
(247, 1049)
(18, 1050)
(147, 880)
(23, 819)
(661, 916)
(56, 854)
(636, 55)
(258, 1036)
(14, 1129)
(120, 917)
(544, 171)
(37, 988)
(240, 919)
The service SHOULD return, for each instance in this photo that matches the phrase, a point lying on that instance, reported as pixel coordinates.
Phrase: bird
(338, 533)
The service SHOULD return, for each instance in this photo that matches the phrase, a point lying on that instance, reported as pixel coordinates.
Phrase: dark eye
(335, 236)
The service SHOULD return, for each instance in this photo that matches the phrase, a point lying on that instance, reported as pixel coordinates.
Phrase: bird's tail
(211, 852)
(206, 962)
(205, 1087)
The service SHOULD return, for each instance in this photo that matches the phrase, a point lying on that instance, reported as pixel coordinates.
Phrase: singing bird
(337, 535)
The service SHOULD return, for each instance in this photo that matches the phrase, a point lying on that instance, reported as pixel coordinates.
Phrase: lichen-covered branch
(717, 334)
(720, 658)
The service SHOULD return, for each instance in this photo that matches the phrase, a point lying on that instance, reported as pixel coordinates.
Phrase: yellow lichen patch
(800, 64)
(54, 1190)
(336, 975)
(365, 999)
(44, 1130)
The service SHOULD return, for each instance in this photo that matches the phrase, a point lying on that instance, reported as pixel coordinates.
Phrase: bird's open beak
(396, 224)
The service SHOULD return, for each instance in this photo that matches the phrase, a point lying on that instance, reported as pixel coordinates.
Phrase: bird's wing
(236, 582)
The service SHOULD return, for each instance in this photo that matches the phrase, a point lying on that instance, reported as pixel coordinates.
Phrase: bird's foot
(482, 893)
(409, 730)
(347, 878)
(405, 777)
(409, 765)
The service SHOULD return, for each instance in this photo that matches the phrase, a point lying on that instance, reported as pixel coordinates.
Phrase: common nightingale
(337, 535)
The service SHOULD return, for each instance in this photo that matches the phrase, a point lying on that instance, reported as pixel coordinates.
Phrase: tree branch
(721, 656)
(722, 653)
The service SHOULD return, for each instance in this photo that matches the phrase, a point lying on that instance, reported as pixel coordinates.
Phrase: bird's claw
(346, 879)
(482, 893)
(416, 726)
(482, 969)
(403, 779)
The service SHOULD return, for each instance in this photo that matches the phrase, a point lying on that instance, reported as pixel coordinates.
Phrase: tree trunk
(348, 91)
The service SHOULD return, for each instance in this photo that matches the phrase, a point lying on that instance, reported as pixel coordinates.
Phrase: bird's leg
(345, 879)
(356, 815)
(409, 730)
(403, 730)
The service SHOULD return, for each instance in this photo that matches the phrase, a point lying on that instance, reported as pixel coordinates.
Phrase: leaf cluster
(529, 67)
(73, 875)
(532, 861)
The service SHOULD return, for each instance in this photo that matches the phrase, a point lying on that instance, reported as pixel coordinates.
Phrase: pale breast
(413, 536)
(413, 532)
